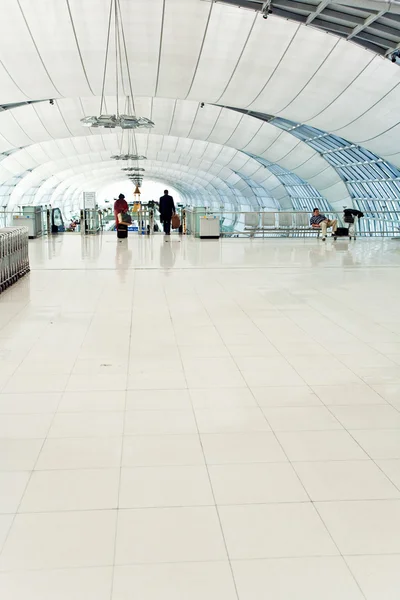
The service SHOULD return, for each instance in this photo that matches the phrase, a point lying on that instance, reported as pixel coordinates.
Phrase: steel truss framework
(373, 183)
(374, 25)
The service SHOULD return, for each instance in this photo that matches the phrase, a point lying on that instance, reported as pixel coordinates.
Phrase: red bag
(175, 221)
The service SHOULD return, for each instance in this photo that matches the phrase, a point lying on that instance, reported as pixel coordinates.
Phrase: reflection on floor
(193, 420)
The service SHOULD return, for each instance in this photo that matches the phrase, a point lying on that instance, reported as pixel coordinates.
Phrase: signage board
(89, 200)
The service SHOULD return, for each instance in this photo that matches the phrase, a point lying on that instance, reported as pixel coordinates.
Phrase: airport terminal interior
(211, 413)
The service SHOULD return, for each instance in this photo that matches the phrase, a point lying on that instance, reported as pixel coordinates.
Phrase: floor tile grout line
(334, 324)
(232, 432)
(22, 308)
(122, 442)
(293, 319)
(213, 561)
(349, 431)
(306, 491)
(212, 505)
(340, 553)
(205, 464)
(177, 410)
(338, 357)
(251, 392)
(27, 483)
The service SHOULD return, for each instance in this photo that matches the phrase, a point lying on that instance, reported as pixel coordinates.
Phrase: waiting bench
(280, 224)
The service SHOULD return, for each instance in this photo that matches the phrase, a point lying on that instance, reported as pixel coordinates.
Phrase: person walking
(121, 209)
(167, 209)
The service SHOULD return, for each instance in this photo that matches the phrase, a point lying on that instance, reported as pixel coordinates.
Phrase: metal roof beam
(351, 20)
(314, 14)
(335, 27)
(374, 39)
(373, 47)
(367, 23)
(385, 29)
(292, 5)
(390, 50)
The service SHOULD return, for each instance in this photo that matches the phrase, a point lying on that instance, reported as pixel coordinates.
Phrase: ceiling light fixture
(136, 169)
(128, 157)
(123, 80)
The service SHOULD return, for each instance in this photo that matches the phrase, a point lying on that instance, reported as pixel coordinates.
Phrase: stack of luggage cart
(14, 258)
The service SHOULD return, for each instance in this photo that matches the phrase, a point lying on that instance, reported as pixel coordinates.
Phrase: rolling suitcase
(122, 232)
(342, 232)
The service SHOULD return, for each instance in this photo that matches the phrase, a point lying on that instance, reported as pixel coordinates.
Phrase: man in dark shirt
(319, 221)
(167, 209)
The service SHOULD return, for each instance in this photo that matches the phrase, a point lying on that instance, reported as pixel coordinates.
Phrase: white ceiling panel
(10, 92)
(309, 48)
(183, 119)
(261, 56)
(385, 114)
(327, 83)
(225, 126)
(184, 27)
(162, 115)
(13, 134)
(50, 25)
(206, 119)
(227, 33)
(287, 150)
(387, 144)
(20, 56)
(375, 81)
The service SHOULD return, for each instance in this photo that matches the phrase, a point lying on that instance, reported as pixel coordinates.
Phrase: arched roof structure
(183, 53)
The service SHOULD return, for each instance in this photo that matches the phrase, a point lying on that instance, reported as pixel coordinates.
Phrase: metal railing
(283, 224)
(278, 224)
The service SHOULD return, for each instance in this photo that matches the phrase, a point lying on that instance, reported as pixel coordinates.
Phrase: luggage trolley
(14, 258)
(351, 223)
(350, 218)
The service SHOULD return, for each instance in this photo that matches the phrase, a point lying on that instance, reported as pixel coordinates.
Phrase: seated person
(319, 221)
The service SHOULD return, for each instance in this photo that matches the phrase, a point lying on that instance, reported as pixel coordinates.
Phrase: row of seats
(279, 222)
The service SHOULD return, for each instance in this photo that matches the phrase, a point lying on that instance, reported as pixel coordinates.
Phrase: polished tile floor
(192, 420)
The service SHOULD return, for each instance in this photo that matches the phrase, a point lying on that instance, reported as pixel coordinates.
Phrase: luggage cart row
(14, 257)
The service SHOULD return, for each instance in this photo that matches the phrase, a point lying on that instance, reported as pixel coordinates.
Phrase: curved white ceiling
(183, 52)
(184, 132)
